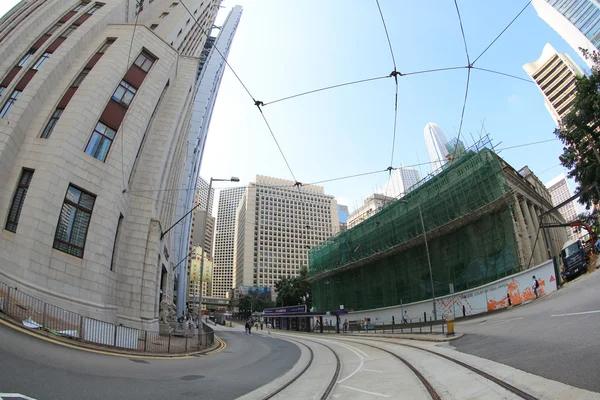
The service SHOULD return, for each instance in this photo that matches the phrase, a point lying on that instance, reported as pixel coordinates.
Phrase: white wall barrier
(488, 297)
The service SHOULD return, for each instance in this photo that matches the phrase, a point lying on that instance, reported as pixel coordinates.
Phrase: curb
(420, 339)
(48, 337)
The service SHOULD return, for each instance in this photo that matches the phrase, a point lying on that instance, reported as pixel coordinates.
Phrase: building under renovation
(481, 219)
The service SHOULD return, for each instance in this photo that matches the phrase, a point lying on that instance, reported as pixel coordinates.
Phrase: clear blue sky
(282, 48)
(285, 47)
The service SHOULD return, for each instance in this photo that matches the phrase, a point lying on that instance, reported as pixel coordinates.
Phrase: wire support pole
(428, 262)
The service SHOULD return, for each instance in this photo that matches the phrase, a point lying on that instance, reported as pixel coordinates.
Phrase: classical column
(541, 245)
(529, 223)
(522, 234)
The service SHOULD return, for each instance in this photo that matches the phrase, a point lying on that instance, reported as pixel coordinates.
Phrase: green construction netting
(479, 252)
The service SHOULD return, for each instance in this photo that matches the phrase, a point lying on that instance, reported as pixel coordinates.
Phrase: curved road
(47, 371)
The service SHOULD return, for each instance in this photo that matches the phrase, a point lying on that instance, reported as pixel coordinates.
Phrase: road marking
(505, 320)
(367, 392)
(14, 396)
(576, 313)
(372, 370)
(360, 365)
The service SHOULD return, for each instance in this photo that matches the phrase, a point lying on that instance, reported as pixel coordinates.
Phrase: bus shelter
(292, 318)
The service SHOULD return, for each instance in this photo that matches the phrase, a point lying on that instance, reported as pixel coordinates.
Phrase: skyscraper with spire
(436, 142)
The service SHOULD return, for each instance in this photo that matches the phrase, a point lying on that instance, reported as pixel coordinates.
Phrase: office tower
(94, 119)
(209, 74)
(371, 206)
(229, 199)
(276, 224)
(435, 140)
(400, 182)
(555, 75)
(205, 201)
(343, 217)
(559, 191)
(576, 21)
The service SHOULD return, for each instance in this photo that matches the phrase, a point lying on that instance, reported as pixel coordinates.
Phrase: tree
(580, 133)
(294, 291)
(245, 306)
(592, 219)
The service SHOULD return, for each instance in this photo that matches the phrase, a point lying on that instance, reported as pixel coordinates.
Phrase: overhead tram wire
(462, 31)
(503, 30)
(395, 74)
(257, 103)
(503, 73)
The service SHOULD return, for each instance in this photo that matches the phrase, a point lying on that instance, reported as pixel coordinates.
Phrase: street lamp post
(202, 238)
(428, 259)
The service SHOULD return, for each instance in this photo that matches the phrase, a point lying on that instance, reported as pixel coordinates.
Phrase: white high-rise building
(229, 199)
(371, 206)
(209, 74)
(400, 182)
(436, 142)
(559, 191)
(576, 21)
(276, 225)
(556, 76)
(95, 105)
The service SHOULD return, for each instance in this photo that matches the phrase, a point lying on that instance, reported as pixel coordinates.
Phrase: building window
(96, 7)
(124, 94)
(68, 31)
(54, 28)
(38, 64)
(100, 142)
(116, 244)
(153, 26)
(26, 58)
(80, 78)
(163, 15)
(179, 33)
(79, 7)
(50, 126)
(188, 21)
(105, 46)
(9, 103)
(74, 221)
(174, 5)
(144, 61)
(2, 89)
(18, 199)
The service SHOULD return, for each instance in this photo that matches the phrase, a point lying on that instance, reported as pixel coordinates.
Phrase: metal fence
(416, 325)
(34, 313)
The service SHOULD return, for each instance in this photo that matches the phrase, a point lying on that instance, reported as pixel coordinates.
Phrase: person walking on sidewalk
(405, 317)
(345, 325)
(536, 285)
(269, 327)
(246, 326)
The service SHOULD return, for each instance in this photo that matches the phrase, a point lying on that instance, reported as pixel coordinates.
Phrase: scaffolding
(382, 261)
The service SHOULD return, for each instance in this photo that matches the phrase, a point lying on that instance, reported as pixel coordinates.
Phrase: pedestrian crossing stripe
(4, 396)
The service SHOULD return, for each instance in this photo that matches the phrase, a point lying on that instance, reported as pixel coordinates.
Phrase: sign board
(208, 271)
(341, 306)
(195, 271)
(285, 310)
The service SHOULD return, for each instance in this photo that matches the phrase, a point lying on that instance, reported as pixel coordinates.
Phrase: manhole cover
(191, 377)
(135, 360)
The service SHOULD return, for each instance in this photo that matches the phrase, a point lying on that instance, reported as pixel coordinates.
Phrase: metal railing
(415, 325)
(34, 313)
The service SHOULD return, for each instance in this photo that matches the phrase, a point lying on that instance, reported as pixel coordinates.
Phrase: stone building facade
(95, 98)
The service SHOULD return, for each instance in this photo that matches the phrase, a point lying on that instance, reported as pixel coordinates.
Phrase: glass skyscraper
(576, 21)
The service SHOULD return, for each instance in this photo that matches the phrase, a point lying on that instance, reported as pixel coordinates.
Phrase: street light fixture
(428, 259)
(232, 179)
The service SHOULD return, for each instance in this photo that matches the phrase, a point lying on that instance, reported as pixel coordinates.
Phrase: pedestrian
(250, 328)
(345, 325)
(536, 285)
(405, 317)
(365, 324)
(269, 327)
(261, 325)
(246, 326)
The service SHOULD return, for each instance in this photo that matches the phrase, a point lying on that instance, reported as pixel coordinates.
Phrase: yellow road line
(108, 353)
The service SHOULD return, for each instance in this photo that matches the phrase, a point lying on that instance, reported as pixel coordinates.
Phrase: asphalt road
(46, 371)
(544, 337)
